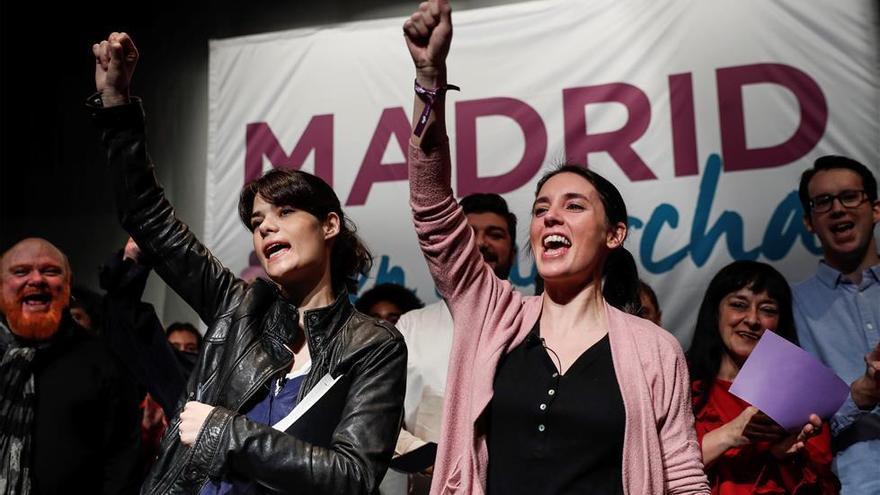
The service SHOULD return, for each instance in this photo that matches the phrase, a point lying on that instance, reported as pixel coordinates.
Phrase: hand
(192, 418)
(794, 443)
(751, 426)
(131, 251)
(115, 59)
(866, 389)
(428, 34)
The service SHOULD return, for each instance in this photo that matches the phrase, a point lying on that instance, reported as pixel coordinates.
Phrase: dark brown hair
(490, 203)
(350, 257)
(183, 326)
(831, 162)
(621, 285)
(405, 299)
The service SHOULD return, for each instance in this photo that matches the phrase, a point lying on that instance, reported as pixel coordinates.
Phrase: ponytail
(620, 286)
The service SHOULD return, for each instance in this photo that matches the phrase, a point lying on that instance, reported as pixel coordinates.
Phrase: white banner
(704, 114)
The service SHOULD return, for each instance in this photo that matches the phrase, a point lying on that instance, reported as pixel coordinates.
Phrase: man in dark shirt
(135, 334)
(69, 417)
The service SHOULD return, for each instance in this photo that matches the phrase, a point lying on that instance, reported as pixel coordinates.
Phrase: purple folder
(787, 383)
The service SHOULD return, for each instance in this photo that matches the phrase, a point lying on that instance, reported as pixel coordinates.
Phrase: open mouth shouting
(275, 250)
(555, 245)
(36, 301)
(842, 229)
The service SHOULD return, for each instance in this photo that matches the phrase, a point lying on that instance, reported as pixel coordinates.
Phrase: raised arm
(134, 332)
(428, 34)
(179, 257)
(445, 237)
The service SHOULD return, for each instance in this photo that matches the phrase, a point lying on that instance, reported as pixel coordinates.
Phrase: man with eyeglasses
(837, 310)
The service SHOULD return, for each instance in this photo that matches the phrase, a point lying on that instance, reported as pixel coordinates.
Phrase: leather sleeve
(361, 448)
(182, 261)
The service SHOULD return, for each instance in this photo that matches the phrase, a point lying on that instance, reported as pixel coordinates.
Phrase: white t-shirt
(428, 336)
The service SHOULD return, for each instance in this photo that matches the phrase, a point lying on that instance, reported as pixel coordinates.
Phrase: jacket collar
(281, 321)
(323, 323)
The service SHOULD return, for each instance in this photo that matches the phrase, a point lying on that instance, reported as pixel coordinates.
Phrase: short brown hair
(350, 257)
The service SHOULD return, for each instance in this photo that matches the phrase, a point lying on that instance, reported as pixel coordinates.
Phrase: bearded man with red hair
(68, 411)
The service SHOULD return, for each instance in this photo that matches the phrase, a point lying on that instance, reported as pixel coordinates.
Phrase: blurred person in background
(388, 302)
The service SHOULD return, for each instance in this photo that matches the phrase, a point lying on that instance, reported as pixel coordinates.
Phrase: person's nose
(752, 318)
(837, 208)
(552, 216)
(268, 226)
(480, 238)
(36, 278)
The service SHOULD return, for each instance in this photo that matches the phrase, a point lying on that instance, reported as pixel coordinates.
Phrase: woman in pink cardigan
(561, 393)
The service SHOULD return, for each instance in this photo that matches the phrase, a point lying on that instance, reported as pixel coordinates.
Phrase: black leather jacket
(249, 327)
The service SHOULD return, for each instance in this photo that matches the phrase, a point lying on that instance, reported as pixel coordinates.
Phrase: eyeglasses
(848, 199)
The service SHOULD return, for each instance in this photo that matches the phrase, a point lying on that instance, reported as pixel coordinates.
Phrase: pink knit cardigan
(660, 450)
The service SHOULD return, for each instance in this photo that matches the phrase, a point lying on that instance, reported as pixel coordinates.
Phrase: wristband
(429, 96)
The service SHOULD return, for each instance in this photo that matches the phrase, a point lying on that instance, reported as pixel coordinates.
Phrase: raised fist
(115, 59)
(428, 34)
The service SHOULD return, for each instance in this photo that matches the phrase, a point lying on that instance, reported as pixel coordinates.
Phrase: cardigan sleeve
(682, 459)
(485, 311)
(472, 291)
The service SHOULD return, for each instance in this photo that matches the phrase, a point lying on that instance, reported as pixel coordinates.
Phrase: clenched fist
(428, 34)
(192, 418)
(115, 60)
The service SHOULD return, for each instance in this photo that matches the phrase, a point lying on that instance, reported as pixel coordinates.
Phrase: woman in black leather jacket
(268, 344)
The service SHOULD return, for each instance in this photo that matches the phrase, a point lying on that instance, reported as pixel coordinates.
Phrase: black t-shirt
(551, 433)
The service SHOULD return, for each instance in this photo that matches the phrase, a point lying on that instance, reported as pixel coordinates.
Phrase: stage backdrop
(704, 114)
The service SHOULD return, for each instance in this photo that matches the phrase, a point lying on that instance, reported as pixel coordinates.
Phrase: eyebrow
(566, 196)
(578, 196)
